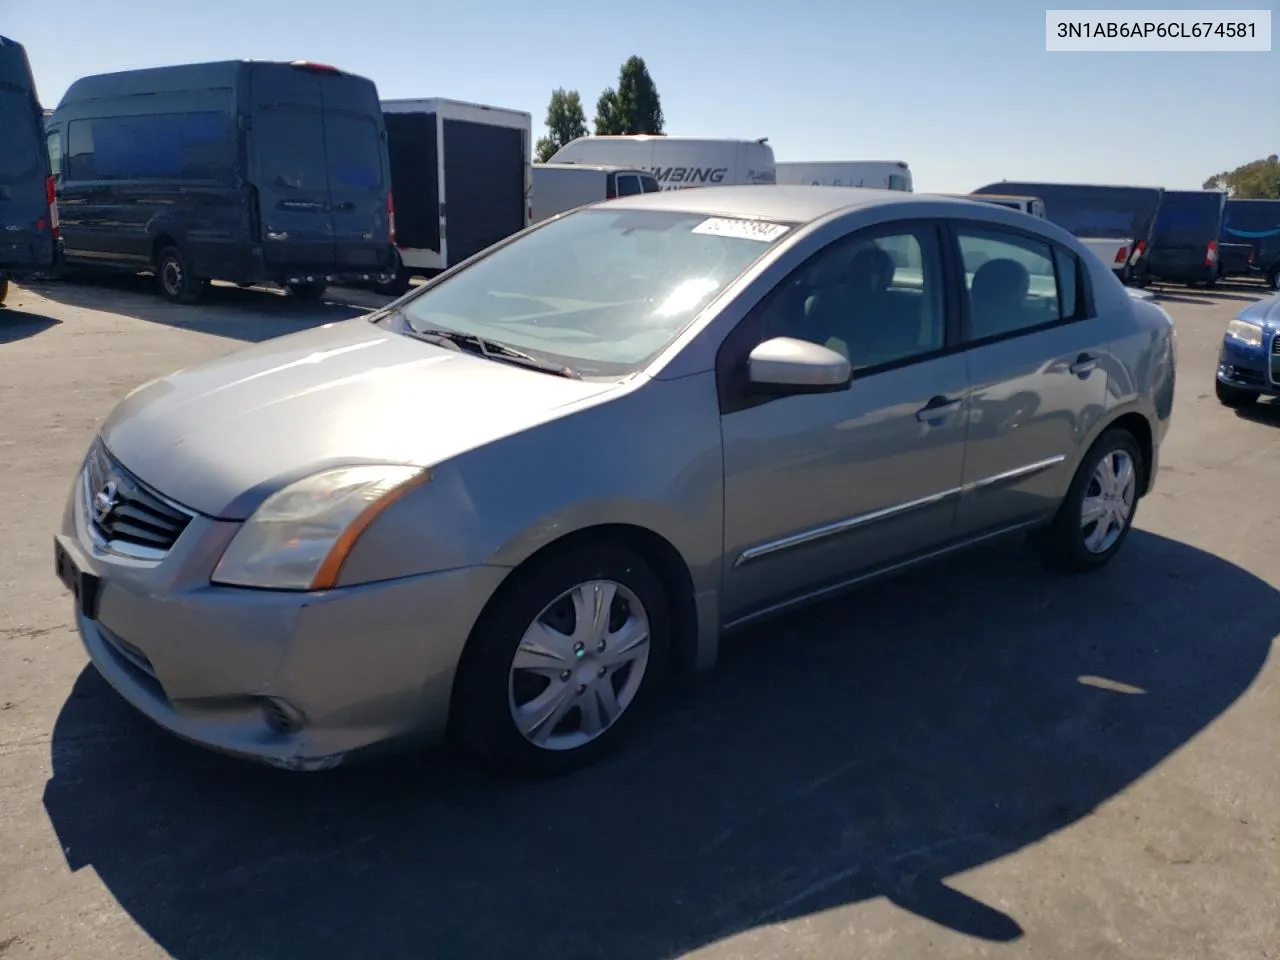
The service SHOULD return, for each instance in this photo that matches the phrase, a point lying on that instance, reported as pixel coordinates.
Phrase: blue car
(1249, 361)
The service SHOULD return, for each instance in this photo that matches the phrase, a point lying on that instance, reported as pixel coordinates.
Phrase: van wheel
(4, 289)
(307, 291)
(396, 286)
(1097, 513)
(177, 282)
(1274, 279)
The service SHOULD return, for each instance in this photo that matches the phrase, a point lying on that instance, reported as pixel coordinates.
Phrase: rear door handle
(936, 409)
(1084, 365)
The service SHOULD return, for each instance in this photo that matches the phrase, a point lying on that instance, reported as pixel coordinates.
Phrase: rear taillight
(391, 215)
(1138, 249)
(51, 198)
(1122, 254)
(1211, 253)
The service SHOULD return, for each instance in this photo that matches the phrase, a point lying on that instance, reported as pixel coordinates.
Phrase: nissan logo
(104, 501)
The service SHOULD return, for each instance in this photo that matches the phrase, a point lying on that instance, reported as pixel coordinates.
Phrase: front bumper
(295, 680)
(1248, 367)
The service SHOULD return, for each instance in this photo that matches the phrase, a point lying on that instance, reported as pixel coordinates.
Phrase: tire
(490, 690)
(1234, 397)
(1273, 279)
(177, 283)
(4, 289)
(307, 291)
(1064, 545)
(395, 287)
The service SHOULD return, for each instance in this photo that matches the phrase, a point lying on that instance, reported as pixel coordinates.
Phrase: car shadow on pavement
(1264, 411)
(250, 313)
(870, 747)
(18, 324)
(1243, 293)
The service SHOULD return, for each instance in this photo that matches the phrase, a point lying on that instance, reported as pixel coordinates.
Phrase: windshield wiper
(494, 350)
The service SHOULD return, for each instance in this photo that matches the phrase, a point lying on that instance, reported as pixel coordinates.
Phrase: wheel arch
(663, 558)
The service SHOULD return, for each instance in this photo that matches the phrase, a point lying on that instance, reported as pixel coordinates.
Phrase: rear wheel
(177, 282)
(1097, 513)
(564, 664)
(307, 291)
(1274, 278)
(1236, 397)
(4, 288)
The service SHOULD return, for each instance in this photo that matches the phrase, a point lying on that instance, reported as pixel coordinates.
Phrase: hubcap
(579, 665)
(171, 274)
(1108, 503)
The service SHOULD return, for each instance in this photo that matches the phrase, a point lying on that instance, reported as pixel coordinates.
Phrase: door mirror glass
(786, 365)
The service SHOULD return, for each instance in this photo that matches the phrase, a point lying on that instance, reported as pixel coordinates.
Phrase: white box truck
(877, 174)
(678, 162)
(460, 177)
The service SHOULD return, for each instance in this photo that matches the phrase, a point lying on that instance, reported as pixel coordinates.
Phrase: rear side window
(649, 185)
(174, 146)
(628, 185)
(289, 144)
(1012, 282)
(897, 182)
(355, 152)
(20, 149)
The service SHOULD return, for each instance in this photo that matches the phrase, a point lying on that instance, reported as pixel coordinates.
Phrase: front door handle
(1084, 365)
(936, 409)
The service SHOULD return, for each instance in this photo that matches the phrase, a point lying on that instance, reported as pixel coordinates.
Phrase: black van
(248, 171)
(1257, 223)
(1185, 246)
(28, 211)
(1115, 222)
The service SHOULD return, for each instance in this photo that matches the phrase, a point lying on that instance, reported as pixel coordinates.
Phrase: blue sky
(963, 91)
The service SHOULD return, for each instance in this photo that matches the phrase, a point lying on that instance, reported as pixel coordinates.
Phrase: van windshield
(602, 291)
(20, 145)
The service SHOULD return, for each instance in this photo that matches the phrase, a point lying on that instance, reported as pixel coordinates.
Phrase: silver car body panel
(767, 506)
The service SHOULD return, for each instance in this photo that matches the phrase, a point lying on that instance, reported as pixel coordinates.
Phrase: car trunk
(317, 166)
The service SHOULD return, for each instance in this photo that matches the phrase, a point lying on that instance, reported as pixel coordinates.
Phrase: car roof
(794, 203)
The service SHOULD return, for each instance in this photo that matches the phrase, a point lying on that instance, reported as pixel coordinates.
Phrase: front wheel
(1097, 513)
(307, 291)
(564, 663)
(1235, 397)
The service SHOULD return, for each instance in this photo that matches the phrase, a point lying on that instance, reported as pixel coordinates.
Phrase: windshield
(602, 291)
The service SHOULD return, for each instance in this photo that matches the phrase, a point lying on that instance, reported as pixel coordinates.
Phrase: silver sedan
(507, 507)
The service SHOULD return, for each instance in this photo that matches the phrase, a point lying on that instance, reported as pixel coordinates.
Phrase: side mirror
(785, 365)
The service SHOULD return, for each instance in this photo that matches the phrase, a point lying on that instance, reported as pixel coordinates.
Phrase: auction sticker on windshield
(760, 230)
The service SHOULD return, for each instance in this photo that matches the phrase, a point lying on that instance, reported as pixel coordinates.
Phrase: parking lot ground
(974, 760)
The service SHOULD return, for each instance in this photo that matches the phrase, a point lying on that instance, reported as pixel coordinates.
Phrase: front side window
(875, 298)
(603, 291)
(1012, 282)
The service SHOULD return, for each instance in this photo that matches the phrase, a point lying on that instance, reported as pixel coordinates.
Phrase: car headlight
(300, 536)
(1245, 332)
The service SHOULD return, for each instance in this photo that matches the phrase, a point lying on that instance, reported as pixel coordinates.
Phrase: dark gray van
(247, 171)
(1184, 247)
(28, 210)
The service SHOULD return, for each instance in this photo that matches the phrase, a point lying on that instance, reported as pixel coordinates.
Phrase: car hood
(221, 437)
(1265, 313)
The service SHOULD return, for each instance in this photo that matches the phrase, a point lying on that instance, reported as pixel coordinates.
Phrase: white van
(678, 162)
(878, 174)
(558, 187)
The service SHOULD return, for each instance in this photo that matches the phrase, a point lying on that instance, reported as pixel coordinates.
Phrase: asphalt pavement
(976, 759)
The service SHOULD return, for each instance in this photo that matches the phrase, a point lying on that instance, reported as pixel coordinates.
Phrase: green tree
(1259, 180)
(565, 121)
(633, 106)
